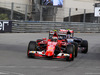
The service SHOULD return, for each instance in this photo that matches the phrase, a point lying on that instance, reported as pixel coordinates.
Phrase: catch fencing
(36, 12)
(27, 27)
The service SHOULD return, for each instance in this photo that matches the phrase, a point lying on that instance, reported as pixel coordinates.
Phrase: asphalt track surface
(14, 61)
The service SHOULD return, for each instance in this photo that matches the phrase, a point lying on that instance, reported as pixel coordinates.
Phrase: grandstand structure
(72, 10)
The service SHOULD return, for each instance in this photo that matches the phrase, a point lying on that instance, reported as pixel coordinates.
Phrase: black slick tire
(70, 50)
(76, 48)
(31, 47)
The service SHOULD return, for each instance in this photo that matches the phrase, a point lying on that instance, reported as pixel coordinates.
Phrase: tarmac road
(13, 59)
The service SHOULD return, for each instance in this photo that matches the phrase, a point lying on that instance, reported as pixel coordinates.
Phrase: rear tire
(70, 50)
(85, 44)
(31, 47)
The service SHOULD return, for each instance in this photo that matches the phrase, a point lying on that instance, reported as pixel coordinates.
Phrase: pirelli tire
(76, 48)
(31, 47)
(85, 45)
(70, 50)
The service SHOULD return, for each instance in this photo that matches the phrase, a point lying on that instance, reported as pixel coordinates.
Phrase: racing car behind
(69, 36)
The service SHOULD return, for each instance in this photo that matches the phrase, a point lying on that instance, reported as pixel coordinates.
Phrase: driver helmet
(68, 34)
(54, 38)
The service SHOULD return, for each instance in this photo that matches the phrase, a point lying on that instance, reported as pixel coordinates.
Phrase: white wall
(80, 5)
(17, 1)
(19, 5)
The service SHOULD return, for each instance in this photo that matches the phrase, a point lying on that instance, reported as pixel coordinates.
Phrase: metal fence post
(41, 13)
(26, 13)
(12, 8)
(84, 18)
(84, 15)
(69, 14)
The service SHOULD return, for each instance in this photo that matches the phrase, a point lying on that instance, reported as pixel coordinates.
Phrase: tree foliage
(3, 17)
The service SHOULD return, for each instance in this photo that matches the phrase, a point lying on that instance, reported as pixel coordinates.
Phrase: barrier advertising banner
(5, 26)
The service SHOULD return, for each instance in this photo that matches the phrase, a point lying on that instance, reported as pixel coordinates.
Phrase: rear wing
(60, 32)
(64, 32)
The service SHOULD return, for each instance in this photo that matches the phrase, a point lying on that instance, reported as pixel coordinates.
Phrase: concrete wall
(63, 12)
(80, 5)
(19, 5)
(17, 1)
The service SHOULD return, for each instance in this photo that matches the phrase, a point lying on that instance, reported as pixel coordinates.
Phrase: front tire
(31, 47)
(76, 48)
(70, 50)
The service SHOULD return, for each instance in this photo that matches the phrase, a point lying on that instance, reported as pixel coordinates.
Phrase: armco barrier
(27, 27)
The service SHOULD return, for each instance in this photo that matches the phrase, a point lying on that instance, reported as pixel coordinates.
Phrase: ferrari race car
(78, 42)
(54, 47)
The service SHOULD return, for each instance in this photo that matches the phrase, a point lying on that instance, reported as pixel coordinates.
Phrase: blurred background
(49, 10)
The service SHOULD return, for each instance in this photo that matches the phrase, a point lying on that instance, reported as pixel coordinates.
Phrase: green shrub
(3, 17)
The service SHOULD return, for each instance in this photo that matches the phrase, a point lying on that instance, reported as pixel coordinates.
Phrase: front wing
(42, 54)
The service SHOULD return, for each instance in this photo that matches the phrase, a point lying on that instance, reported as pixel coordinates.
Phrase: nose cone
(49, 53)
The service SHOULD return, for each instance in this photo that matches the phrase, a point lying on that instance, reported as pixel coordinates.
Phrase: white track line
(2, 73)
(7, 72)
(45, 67)
(92, 73)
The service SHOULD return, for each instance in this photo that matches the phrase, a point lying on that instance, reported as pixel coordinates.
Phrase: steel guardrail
(35, 26)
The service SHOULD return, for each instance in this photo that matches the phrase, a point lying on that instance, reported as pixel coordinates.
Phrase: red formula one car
(54, 47)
